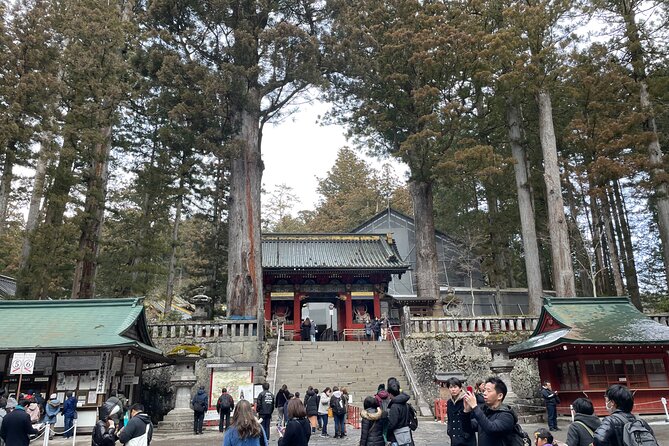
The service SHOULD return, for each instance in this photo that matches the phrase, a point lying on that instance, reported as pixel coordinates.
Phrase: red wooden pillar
(297, 315)
(268, 306)
(348, 311)
(585, 380)
(377, 305)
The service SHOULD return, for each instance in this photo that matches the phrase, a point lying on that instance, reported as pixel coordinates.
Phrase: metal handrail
(423, 407)
(279, 335)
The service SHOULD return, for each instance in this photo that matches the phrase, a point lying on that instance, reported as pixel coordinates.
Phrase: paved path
(428, 434)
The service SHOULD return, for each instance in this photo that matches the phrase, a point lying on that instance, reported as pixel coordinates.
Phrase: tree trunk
(36, 197)
(563, 273)
(526, 209)
(427, 283)
(626, 236)
(611, 246)
(655, 155)
(6, 186)
(244, 289)
(498, 278)
(83, 283)
(172, 272)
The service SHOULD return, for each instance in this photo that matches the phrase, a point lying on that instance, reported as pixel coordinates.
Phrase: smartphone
(470, 389)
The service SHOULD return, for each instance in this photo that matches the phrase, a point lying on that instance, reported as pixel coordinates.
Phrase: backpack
(636, 433)
(412, 418)
(200, 406)
(338, 406)
(519, 437)
(592, 434)
(226, 401)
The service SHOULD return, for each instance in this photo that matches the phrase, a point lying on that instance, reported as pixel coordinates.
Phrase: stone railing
(489, 324)
(220, 330)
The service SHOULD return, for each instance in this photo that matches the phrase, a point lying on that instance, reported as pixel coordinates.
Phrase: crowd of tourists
(479, 416)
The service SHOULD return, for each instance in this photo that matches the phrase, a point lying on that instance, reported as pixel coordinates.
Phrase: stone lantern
(501, 365)
(202, 304)
(183, 379)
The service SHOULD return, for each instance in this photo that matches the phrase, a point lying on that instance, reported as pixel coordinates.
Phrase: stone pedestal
(502, 366)
(180, 419)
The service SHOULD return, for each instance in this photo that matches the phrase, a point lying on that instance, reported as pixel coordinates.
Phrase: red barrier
(353, 416)
(440, 410)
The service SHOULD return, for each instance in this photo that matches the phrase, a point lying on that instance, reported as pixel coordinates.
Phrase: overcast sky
(300, 149)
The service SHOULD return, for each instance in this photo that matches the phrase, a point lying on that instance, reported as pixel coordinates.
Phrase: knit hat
(11, 403)
(53, 396)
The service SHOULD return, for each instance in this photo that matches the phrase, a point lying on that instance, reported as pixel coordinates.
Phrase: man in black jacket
(398, 431)
(551, 399)
(493, 421)
(16, 427)
(619, 402)
(139, 429)
(582, 430)
(224, 406)
(456, 415)
(265, 407)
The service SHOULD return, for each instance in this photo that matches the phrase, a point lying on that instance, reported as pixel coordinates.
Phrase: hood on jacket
(458, 397)
(591, 421)
(371, 416)
(142, 417)
(402, 398)
(32, 406)
(54, 403)
(383, 394)
(200, 392)
(337, 394)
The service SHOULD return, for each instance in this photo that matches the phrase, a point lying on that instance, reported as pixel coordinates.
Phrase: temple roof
(84, 324)
(591, 320)
(331, 251)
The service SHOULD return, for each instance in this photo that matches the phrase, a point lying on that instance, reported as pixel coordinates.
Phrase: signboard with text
(22, 364)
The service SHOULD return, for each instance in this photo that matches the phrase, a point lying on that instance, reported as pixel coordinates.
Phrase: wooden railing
(220, 330)
(662, 318)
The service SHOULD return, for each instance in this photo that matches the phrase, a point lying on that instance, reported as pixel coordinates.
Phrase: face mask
(609, 406)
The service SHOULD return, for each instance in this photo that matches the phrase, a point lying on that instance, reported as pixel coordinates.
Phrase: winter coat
(610, 432)
(52, 409)
(70, 407)
(200, 401)
(456, 416)
(17, 427)
(232, 438)
(398, 414)
(281, 398)
(338, 402)
(33, 412)
(324, 403)
(297, 433)
(371, 432)
(265, 403)
(491, 424)
(577, 435)
(479, 399)
(312, 403)
(103, 435)
(138, 431)
(550, 397)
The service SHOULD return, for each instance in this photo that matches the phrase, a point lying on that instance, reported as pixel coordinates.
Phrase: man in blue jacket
(494, 420)
(200, 405)
(70, 414)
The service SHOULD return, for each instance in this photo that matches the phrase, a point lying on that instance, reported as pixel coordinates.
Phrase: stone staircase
(358, 365)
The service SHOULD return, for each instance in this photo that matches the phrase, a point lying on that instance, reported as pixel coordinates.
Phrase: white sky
(300, 149)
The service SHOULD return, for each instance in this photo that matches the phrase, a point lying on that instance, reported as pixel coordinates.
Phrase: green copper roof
(32, 325)
(593, 320)
(331, 251)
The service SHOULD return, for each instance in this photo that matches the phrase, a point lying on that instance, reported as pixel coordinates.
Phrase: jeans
(324, 421)
(198, 420)
(279, 417)
(339, 424)
(552, 416)
(224, 421)
(69, 422)
(265, 424)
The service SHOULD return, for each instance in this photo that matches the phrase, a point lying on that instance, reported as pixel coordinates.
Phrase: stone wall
(466, 352)
(157, 393)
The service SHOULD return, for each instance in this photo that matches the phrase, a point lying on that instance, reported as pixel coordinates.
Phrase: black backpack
(338, 406)
(226, 401)
(412, 417)
(519, 437)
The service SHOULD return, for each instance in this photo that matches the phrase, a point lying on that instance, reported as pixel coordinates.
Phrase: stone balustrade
(491, 324)
(229, 330)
